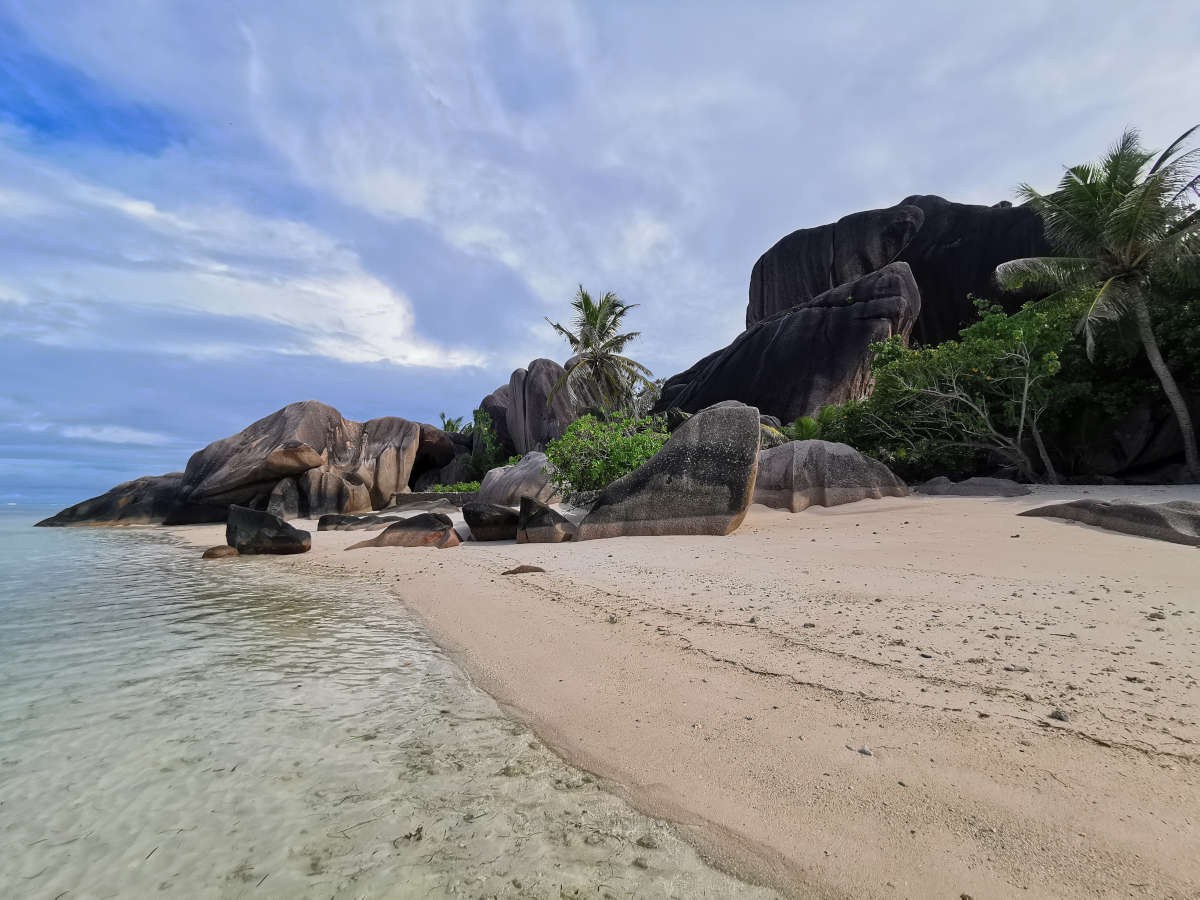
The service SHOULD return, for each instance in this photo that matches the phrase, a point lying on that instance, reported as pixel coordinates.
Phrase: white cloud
(114, 434)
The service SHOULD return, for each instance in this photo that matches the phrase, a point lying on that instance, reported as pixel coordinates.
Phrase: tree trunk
(1051, 473)
(1170, 388)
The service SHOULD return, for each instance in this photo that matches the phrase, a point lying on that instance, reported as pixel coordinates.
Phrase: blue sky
(208, 210)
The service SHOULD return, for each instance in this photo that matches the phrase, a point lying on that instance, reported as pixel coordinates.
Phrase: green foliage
(805, 428)
(940, 410)
(462, 487)
(598, 343)
(453, 426)
(486, 451)
(595, 452)
(1126, 232)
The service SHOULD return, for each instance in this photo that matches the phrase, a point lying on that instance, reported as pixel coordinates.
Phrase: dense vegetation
(1126, 233)
(462, 487)
(595, 452)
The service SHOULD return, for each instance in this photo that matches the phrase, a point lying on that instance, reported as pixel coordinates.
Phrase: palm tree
(1126, 234)
(454, 425)
(597, 344)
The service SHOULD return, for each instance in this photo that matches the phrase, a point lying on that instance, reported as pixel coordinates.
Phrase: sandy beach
(857, 701)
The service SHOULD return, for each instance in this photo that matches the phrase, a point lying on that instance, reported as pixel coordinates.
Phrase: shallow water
(195, 729)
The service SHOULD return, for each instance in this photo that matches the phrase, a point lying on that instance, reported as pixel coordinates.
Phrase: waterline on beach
(224, 729)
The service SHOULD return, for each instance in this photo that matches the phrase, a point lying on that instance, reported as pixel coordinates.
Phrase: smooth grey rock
(979, 486)
(539, 524)
(496, 405)
(506, 485)
(1177, 521)
(325, 491)
(700, 482)
(805, 358)
(285, 500)
(250, 531)
(800, 474)
(424, 530)
(490, 521)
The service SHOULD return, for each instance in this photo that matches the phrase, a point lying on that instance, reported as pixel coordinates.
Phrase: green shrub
(486, 452)
(945, 410)
(463, 487)
(805, 428)
(593, 453)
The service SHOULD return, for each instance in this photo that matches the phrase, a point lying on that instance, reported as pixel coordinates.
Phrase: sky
(209, 210)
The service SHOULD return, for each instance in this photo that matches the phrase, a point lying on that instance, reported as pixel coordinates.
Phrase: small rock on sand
(220, 552)
(523, 570)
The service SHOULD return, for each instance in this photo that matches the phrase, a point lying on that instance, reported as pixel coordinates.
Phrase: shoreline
(743, 675)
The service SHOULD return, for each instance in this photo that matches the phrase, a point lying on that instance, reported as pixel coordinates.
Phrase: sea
(172, 727)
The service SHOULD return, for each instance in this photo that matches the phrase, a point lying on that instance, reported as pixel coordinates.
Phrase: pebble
(1059, 715)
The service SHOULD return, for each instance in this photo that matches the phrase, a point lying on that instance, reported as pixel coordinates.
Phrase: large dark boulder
(506, 485)
(490, 521)
(800, 360)
(700, 482)
(811, 261)
(800, 474)
(144, 501)
(532, 421)
(952, 248)
(251, 531)
(424, 530)
(1177, 521)
(955, 253)
(496, 405)
(537, 523)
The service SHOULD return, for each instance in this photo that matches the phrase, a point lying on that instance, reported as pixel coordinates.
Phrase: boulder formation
(143, 501)
(506, 485)
(490, 521)
(1177, 521)
(424, 530)
(805, 357)
(952, 248)
(537, 523)
(979, 486)
(800, 474)
(252, 531)
(522, 414)
(700, 482)
(302, 460)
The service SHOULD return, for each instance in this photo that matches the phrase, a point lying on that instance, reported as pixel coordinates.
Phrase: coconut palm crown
(1126, 231)
(597, 344)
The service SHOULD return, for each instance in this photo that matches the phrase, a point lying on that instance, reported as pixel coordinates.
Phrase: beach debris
(1059, 715)
(648, 842)
(753, 620)
(523, 570)
(1016, 668)
(864, 750)
(612, 619)
(222, 551)
(416, 834)
(641, 862)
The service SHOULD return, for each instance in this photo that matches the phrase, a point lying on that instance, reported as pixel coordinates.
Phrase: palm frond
(1170, 151)
(1108, 305)
(1047, 273)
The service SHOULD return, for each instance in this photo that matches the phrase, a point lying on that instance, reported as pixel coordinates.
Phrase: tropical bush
(1127, 237)
(486, 450)
(594, 452)
(946, 409)
(805, 428)
(462, 487)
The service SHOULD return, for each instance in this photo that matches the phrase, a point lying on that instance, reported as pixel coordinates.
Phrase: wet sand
(856, 701)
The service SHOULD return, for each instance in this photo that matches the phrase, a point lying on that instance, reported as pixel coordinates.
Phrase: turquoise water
(179, 728)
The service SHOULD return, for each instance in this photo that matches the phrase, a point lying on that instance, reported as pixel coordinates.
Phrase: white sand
(743, 674)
